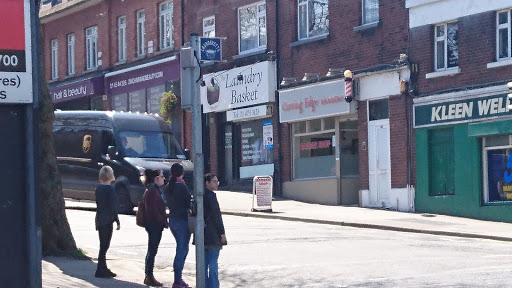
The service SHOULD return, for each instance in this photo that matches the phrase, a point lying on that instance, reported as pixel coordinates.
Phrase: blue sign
(211, 49)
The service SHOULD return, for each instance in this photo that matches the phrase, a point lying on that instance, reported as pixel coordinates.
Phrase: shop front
(140, 88)
(324, 143)
(242, 99)
(85, 94)
(464, 154)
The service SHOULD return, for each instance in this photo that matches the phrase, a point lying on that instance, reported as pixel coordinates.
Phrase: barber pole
(348, 87)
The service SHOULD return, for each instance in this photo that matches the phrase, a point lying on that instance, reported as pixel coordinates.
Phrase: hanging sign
(211, 49)
(15, 52)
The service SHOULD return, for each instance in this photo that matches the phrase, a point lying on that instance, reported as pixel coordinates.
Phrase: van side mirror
(187, 154)
(112, 152)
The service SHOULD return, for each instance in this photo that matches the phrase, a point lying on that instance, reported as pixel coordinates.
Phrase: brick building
(119, 55)
(331, 151)
(462, 119)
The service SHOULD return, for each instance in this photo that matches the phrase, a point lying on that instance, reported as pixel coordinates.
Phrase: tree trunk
(56, 234)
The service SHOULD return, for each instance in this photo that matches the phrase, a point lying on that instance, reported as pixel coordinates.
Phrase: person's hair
(151, 175)
(106, 174)
(209, 176)
(176, 171)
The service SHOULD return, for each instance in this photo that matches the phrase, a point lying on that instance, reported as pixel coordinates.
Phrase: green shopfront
(464, 154)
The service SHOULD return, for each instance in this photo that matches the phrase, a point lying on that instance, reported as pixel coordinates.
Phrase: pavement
(65, 272)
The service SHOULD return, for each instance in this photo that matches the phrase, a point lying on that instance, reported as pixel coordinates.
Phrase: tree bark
(57, 238)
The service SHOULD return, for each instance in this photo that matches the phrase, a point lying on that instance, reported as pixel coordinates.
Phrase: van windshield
(150, 144)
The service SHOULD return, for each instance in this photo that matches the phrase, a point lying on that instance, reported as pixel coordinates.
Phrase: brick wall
(362, 135)
(398, 131)
(477, 48)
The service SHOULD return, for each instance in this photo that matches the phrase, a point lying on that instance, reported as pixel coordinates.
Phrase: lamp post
(348, 85)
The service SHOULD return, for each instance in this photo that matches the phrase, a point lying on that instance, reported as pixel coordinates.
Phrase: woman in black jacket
(155, 220)
(106, 215)
(178, 201)
(214, 233)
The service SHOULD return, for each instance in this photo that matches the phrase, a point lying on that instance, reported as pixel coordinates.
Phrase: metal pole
(198, 164)
(32, 138)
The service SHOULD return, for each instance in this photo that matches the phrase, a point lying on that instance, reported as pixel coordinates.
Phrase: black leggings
(105, 233)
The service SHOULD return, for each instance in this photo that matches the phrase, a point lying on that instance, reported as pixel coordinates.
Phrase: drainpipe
(278, 189)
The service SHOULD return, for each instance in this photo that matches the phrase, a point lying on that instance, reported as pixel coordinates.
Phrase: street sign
(15, 52)
(211, 49)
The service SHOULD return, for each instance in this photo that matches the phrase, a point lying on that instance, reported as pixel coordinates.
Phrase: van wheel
(125, 203)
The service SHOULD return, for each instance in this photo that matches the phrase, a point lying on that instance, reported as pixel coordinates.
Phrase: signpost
(19, 87)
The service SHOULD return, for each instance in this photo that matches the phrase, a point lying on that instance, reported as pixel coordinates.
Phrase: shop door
(228, 155)
(379, 161)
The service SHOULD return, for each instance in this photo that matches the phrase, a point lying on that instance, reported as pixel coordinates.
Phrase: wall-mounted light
(348, 85)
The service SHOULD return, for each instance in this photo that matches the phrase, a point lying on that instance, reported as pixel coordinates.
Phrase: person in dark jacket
(178, 201)
(214, 233)
(155, 220)
(106, 215)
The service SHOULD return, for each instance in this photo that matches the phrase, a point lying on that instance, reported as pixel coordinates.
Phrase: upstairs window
(141, 33)
(121, 37)
(252, 27)
(91, 47)
(370, 11)
(55, 59)
(165, 23)
(209, 27)
(313, 18)
(503, 35)
(446, 46)
(71, 54)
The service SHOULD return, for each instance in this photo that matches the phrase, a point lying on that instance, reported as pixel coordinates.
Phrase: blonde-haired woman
(106, 215)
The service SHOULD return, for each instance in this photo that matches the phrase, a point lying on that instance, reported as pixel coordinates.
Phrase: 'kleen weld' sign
(15, 52)
(466, 110)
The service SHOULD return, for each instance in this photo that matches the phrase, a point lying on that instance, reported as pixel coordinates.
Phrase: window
(166, 25)
(370, 11)
(497, 157)
(55, 59)
(503, 35)
(378, 109)
(71, 54)
(441, 162)
(313, 18)
(252, 27)
(446, 46)
(313, 147)
(141, 33)
(91, 47)
(256, 158)
(209, 27)
(121, 37)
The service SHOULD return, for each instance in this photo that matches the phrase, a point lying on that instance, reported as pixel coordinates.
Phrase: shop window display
(497, 168)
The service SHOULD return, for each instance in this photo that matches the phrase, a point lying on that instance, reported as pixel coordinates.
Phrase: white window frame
(259, 16)
(364, 15)
(306, 3)
(91, 47)
(207, 29)
(165, 11)
(141, 33)
(445, 47)
(71, 54)
(501, 27)
(121, 38)
(55, 58)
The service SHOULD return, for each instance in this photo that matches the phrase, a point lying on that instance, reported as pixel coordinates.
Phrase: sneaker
(111, 273)
(184, 285)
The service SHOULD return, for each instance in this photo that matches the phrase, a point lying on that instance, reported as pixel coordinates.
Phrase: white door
(379, 162)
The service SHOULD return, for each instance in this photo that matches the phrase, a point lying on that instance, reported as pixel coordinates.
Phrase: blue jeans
(179, 229)
(211, 257)
(154, 236)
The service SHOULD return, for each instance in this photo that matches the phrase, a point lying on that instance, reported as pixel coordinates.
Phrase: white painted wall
(379, 85)
(401, 199)
(426, 12)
